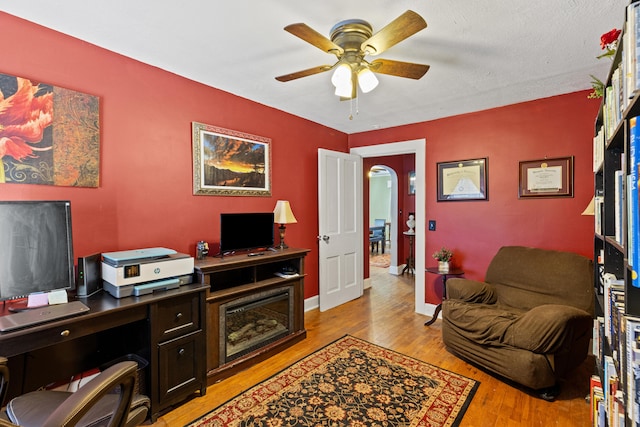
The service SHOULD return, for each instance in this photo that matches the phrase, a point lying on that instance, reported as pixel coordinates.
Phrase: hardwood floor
(385, 316)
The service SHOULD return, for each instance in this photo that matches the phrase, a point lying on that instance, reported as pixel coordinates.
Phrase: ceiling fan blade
(304, 73)
(313, 37)
(399, 68)
(402, 27)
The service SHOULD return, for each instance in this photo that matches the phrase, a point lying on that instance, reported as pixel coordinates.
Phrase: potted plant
(443, 256)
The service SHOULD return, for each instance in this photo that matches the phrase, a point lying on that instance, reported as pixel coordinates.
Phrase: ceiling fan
(351, 41)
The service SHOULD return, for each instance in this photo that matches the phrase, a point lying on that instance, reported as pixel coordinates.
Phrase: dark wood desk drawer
(180, 367)
(177, 317)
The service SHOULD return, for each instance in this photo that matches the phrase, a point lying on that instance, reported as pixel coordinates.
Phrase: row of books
(626, 228)
(607, 401)
(615, 394)
(625, 77)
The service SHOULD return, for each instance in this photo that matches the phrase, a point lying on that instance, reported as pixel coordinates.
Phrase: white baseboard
(311, 303)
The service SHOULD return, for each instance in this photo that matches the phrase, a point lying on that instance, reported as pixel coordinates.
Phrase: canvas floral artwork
(48, 135)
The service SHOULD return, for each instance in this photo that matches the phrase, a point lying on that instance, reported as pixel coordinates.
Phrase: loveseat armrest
(471, 291)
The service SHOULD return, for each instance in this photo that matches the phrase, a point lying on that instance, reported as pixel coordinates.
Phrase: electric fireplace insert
(254, 321)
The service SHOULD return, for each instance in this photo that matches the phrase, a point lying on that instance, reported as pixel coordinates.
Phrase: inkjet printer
(143, 271)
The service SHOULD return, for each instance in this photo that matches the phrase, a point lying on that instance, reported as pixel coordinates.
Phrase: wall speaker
(89, 279)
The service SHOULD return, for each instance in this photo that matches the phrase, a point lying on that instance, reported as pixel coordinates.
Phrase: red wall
(552, 127)
(145, 197)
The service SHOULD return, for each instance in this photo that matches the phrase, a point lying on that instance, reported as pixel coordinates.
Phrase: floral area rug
(354, 383)
(380, 260)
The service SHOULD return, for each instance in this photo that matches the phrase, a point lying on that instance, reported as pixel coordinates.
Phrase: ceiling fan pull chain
(351, 109)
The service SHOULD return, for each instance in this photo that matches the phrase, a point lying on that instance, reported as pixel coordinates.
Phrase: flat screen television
(36, 248)
(245, 231)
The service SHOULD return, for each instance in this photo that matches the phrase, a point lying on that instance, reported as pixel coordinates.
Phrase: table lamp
(282, 215)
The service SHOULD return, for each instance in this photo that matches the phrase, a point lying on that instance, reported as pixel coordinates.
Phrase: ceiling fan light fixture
(341, 76)
(367, 80)
(344, 90)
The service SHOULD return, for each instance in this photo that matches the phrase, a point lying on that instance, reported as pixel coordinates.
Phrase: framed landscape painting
(230, 163)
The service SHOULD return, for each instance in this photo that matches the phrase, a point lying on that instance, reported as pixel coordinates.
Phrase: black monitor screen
(240, 231)
(36, 247)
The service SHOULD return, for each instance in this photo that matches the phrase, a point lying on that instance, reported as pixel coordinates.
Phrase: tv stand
(237, 279)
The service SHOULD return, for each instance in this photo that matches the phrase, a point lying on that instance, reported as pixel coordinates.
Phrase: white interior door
(340, 228)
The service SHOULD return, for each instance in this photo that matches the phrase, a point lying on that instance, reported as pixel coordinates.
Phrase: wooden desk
(451, 272)
(166, 328)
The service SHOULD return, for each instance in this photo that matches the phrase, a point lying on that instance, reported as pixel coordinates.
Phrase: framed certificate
(546, 178)
(462, 180)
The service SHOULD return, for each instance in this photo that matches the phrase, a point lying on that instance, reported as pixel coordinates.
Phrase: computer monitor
(36, 246)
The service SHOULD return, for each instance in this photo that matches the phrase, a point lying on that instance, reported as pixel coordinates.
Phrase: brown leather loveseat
(530, 321)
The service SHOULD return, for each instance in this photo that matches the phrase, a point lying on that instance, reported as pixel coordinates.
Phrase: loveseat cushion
(547, 328)
(484, 324)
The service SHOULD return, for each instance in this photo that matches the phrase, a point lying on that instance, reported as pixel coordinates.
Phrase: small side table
(410, 266)
(451, 272)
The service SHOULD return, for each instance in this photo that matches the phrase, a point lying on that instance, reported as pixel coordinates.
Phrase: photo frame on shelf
(463, 180)
(412, 183)
(546, 178)
(230, 163)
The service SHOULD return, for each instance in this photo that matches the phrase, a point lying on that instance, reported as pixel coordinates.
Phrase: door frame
(393, 251)
(417, 147)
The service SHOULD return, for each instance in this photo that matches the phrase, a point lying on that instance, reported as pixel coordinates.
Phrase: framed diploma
(546, 178)
(462, 180)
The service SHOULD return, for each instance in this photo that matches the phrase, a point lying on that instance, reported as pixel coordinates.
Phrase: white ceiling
(483, 54)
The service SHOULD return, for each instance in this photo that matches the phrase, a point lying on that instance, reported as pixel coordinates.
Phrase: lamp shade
(282, 213)
(341, 79)
(341, 76)
(590, 209)
(367, 80)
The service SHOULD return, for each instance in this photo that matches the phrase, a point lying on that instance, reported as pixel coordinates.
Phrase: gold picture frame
(230, 163)
(463, 180)
(546, 178)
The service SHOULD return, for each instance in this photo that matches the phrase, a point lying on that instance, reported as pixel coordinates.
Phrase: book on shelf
(598, 149)
(632, 52)
(632, 368)
(597, 339)
(619, 202)
(610, 385)
(633, 256)
(613, 291)
(596, 397)
(598, 206)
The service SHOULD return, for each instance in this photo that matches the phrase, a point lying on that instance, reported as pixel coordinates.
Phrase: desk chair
(94, 404)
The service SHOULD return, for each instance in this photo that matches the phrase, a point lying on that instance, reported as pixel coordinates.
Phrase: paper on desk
(38, 299)
(58, 297)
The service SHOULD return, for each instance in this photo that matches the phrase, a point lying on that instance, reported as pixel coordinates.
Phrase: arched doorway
(383, 206)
